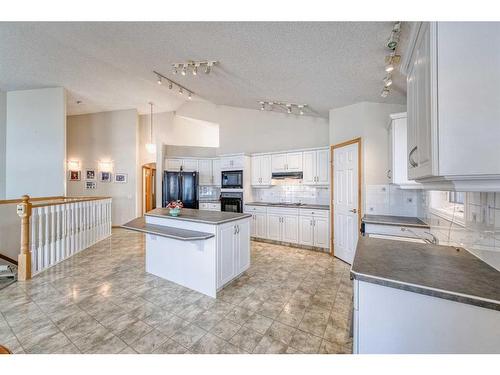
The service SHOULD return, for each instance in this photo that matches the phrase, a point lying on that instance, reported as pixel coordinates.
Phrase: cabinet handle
(311, 222)
(412, 162)
(237, 229)
(389, 174)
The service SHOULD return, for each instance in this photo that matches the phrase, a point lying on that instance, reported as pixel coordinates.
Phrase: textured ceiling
(109, 66)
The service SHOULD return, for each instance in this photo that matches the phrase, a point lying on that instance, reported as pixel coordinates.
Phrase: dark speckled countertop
(441, 271)
(404, 221)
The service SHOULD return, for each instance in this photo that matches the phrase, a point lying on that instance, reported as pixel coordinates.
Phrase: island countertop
(404, 221)
(199, 216)
(445, 272)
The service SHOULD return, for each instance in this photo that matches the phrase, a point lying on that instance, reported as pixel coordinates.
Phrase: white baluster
(46, 243)
(110, 216)
(53, 235)
(58, 238)
(40, 238)
(34, 240)
(68, 231)
(81, 227)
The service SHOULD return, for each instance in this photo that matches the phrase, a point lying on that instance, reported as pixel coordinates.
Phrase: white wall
(368, 121)
(108, 136)
(249, 131)
(36, 143)
(3, 130)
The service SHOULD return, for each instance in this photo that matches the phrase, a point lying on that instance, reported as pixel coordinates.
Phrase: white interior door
(345, 204)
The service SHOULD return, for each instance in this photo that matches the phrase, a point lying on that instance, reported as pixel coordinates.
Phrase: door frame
(360, 176)
(150, 167)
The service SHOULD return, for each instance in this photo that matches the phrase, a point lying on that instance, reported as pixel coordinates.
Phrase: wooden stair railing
(4, 350)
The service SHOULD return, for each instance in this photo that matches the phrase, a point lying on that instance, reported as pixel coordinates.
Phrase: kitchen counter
(395, 220)
(140, 225)
(291, 205)
(445, 272)
(199, 216)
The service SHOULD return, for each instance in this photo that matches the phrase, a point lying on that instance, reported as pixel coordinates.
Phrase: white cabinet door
(309, 164)
(322, 167)
(216, 171)
(253, 226)
(189, 165)
(290, 229)
(321, 230)
(265, 170)
(174, 165)
(260, 224)
(274, 227)
(226, 260)
(306, 232)
(256, 170)
(205, 172)
(278, 162)
(243, 247)
(294, 162)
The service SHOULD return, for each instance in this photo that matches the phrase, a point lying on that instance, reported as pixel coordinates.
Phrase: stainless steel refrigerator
(181, 186)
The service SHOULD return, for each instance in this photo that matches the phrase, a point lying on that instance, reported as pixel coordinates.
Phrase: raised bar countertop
(199, 216)
(404, 221)
(445, 272)
(291, 205)
(140, 225)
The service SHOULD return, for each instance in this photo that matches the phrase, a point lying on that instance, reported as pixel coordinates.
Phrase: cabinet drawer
(214, 206)
(251, 209)
(314, 212)
(282, 211)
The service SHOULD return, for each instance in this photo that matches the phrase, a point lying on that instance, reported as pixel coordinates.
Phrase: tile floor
(102, 301)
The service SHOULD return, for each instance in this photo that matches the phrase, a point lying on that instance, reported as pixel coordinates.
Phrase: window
(449, 205)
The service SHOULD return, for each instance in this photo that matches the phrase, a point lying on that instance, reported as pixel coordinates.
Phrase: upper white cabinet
(205, 172)
(261, 170)
(287, 162)
(187, 165)
(216, 172)
(232, 162)
(316, 167)
(452, 102)
(398, 167)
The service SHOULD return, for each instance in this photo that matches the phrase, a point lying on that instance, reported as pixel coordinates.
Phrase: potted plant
(174, 208)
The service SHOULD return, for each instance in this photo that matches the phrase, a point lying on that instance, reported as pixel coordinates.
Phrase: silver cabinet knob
(353, 210)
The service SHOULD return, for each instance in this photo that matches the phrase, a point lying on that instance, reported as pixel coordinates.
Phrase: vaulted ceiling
(108, 66)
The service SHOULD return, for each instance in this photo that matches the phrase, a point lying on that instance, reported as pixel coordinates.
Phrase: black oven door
(232, 180)
(231, 205)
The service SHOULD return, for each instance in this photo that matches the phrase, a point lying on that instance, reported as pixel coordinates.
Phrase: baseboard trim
(5, 257)
(290, 244)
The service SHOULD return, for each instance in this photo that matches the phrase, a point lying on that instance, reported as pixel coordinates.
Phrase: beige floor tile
(208, 344)
(305, 342)
(187, 336)
(149, 342)
(258, 323)
(225, 329)
(281, 332)
(268, 345)
(170, 347)
(246, 339)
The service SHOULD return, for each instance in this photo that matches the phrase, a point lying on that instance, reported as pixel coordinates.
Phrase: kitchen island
(201, 250)
(423, 298)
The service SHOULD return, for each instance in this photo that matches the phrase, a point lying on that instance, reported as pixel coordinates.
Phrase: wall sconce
(73, 165)
(106, 166)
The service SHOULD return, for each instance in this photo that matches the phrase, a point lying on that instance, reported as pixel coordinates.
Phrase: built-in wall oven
(232, 180)
(231, 202)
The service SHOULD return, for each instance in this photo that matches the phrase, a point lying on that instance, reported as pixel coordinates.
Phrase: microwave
(232, 180)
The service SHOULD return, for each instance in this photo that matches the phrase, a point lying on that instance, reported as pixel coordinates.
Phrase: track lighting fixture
(194, 66)
(387, 80)
(160, 77)
(290, 108)
(159, 80)
(392, 59)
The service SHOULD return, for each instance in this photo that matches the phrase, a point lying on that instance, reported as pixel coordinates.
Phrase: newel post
(24, 258)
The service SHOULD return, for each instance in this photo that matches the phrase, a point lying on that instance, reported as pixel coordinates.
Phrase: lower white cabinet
(314, 228)
(297, 226)
(233, 254)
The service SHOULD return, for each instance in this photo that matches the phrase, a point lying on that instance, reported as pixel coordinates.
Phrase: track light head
(181, 91)
(190, 96)
(262, 106)
(159, 80)
(195, 69)
(288, 108)
(208, 68)
(389, 68)
(184, 69)
(174, 69)
(387, 80)
(170, 85)
(385, 92)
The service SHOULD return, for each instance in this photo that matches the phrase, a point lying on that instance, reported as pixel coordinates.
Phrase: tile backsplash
(478, 231)
(390, 200)
(292, 192)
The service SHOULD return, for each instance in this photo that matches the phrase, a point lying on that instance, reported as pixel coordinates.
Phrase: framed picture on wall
(121, 178)
(90, 185)
(90, 174)
(74, 175)
(105, 177)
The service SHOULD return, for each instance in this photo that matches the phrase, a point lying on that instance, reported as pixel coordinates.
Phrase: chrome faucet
(433, 241)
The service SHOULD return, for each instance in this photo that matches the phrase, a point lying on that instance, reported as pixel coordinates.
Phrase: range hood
(285, 175)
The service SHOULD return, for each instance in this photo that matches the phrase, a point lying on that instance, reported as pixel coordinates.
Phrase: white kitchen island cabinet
(201, 250)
